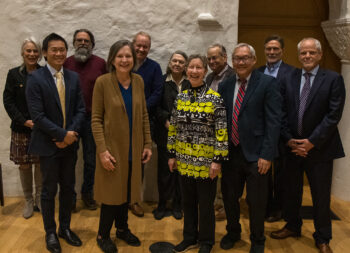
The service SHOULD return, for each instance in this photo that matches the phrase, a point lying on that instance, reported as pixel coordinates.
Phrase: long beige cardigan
(110, 127)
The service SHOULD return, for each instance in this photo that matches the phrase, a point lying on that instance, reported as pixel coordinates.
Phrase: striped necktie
(236, 109)
(62, 94)
(303, 100)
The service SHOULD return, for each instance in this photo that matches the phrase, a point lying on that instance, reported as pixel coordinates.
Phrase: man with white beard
(89, 67)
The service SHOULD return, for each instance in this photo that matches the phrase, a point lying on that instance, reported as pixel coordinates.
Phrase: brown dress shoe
(136, 209)
(284, 233)
(324, 248)
(221, 215)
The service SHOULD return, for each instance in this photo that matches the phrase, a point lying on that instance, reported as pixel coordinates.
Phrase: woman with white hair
(16, 106)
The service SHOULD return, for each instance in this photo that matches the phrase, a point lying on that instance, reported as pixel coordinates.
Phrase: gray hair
(251, 49)
(36, 44)
(142, 33)
(317, 43)
(222, 48)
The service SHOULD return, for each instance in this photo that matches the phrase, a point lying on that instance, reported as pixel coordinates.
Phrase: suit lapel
(315, 86)
(253, 83)
(52, 85)
(67, 85)
(229, 93)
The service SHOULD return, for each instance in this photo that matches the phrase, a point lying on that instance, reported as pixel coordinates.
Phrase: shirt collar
(273, 66)
(248, 78)
(53, 70)
(313, 71)
(170, 78)
(222, 71)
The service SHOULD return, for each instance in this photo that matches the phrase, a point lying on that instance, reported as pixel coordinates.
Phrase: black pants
(319, 175)
(236, 173)
(276, 183)
(57, 169)
(198, 197)
(168, 182)
(110, 213)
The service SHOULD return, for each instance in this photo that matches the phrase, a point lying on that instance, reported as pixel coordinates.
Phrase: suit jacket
(283, 70)
(323, 111)
(45, 109)
(259, 119)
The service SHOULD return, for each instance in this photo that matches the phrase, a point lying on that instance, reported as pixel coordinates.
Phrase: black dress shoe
(52, 243)
(159, 213)
(70, 237)
(89, 202)
(106, 245)
(128, 237)
(228, 241)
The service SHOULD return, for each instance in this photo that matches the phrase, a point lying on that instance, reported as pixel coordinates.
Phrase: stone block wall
(173, 25)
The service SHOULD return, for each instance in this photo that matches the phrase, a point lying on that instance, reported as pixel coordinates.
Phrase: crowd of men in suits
(285, 121)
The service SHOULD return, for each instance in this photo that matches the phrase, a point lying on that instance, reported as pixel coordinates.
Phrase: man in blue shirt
(151, 73)
(275, 67)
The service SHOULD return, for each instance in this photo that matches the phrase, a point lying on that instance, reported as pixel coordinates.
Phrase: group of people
(259, 127)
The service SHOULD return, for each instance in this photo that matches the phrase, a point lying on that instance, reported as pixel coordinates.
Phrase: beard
(82, 54)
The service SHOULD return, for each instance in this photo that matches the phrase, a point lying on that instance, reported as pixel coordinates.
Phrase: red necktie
(236, 109)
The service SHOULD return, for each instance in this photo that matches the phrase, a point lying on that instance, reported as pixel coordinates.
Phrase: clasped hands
(214, 170)
(70, 137)
(300, 147)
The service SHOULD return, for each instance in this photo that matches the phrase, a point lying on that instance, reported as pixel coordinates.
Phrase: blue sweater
(152, 77)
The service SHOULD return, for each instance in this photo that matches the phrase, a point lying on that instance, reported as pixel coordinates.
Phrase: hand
(107, 160)
(61, 144)
(303, 147)
(215, 169)
(70, 137)
(29, 123)
(172, 164)
(146, 155)
(263, 166)
(167, 124)
(292, 143)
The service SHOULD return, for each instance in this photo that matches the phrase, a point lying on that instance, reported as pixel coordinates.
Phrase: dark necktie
(236, 109)
(303, 100)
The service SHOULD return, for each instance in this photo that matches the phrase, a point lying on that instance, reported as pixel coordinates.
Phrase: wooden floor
(20, 235)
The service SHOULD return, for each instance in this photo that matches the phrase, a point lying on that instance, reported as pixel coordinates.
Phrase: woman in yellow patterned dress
(197, 144)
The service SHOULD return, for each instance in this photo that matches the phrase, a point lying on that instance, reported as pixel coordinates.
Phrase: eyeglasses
(83, 40)
(244, 59)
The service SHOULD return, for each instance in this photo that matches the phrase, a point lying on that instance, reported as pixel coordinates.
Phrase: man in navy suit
(253, 105)
(312, 108)
(56, 105)
(275, 67)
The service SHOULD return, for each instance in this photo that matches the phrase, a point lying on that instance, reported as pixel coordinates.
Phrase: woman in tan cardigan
(121, 130)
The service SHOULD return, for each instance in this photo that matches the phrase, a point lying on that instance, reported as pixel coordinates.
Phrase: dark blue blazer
(45, 109)
(323, 111)
(283, 70)
(259, 120)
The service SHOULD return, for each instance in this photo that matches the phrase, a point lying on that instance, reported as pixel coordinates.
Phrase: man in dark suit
(56, 105)
(253, 105)
(217, 61)
(312, 108)
(275, 67)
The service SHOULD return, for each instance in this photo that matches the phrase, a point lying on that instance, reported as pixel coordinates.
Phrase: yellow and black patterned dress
(197, 133)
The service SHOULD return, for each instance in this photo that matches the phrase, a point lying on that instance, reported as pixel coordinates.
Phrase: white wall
(172, 24)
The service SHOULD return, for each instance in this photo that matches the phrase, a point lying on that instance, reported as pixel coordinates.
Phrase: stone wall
(172, 24)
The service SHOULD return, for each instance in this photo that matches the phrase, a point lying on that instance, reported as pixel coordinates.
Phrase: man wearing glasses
(253, 105)
(89, 67)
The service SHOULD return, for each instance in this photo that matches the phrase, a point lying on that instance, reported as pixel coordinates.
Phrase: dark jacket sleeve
(156, 89)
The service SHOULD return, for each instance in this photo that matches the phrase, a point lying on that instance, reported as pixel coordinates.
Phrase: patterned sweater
(197, 133)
